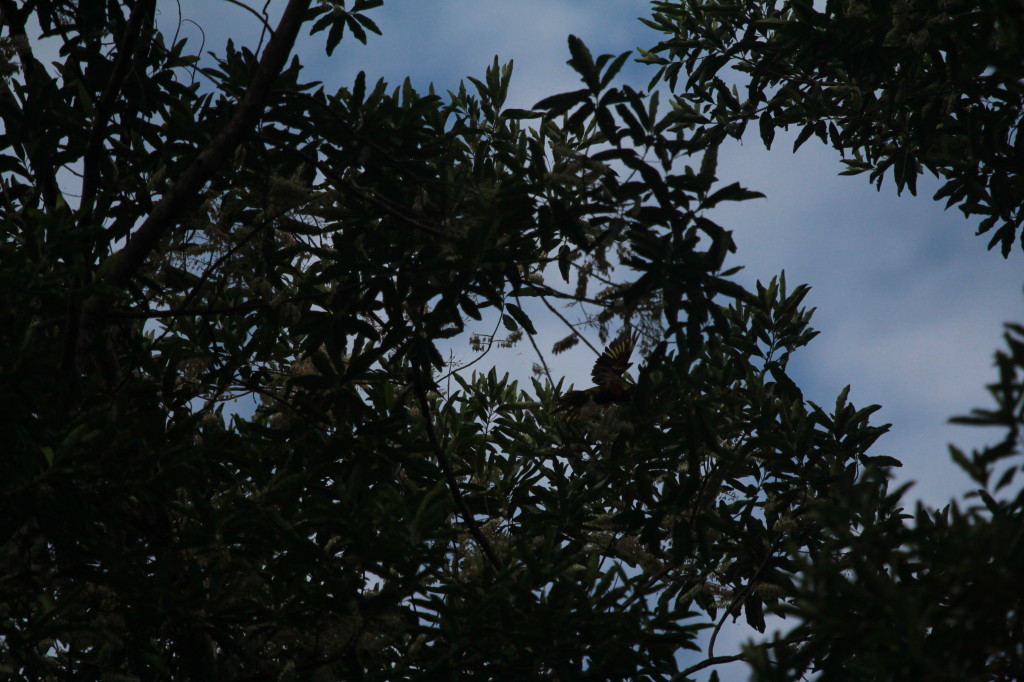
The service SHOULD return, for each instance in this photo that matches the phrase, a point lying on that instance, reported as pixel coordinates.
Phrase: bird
(607, 374)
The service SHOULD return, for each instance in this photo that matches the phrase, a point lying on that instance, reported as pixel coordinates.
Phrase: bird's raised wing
(614, 361)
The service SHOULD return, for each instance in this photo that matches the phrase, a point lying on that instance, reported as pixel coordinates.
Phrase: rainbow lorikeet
(607, 375)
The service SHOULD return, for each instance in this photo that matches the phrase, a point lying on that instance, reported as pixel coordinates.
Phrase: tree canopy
(235, 449)
(907, 87)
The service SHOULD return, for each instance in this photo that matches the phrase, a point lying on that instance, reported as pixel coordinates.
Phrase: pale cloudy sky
(909, 302)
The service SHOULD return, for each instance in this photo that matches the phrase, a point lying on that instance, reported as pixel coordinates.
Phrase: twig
(741, 596)
(716, 660)
(368, 195)
(569, 325)
(199, 312)
(385, 154)
(536, 349)
(668, 568)
(446, 467)
(266, 26)
(707, 663)
(204, 278)
(480, 357)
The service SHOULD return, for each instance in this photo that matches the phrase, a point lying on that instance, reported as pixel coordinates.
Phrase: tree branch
(207, 311)
(261, 17)
(569, 324)
(716, 660)
(365, 194)
(446, 466)
(739, 598)
(707, 663)
(536, 348)
(672, 565)
(122, 265)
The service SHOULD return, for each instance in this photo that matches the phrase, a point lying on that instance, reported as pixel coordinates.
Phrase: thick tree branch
(120, 267)
(183, 193)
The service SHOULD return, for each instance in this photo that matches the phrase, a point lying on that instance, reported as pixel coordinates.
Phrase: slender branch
(707, 663)
(543, 362)
(669, 567)
(569, 325)
(385, 154)
(266, 26)
(725, 616)
(202, 312)
(205, 277)
(717, 660)
(490, 344)
(442, 459)
(654, 577)
(555, 293)
(367, 195)
(741, 595)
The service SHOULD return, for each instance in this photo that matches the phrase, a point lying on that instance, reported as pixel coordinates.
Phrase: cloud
(910, 302)
(443, 42)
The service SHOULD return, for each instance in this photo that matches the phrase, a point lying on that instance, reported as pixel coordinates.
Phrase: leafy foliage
(904, 86)
(935, 598)
(234, 448)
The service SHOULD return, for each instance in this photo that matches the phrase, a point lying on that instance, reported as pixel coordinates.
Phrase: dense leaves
(901, 87)
(935, 598)
(234, 449)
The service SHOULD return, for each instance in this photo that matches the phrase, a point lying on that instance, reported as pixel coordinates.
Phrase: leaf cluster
(934, 598)
(902, 87)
